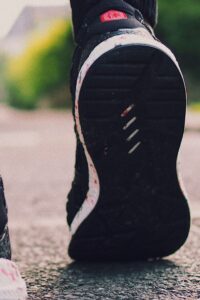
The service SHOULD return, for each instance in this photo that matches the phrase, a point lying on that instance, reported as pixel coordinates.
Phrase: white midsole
(137, 37)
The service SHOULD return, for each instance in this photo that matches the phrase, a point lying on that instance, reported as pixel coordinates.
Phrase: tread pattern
(132, 109)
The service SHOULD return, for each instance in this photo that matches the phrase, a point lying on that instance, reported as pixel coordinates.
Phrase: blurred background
(35, 52)
(36, 45)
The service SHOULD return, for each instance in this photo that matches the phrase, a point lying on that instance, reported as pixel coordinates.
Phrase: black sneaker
(5, 249)
(129, 99)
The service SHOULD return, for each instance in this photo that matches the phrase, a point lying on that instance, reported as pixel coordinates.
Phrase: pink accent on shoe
(113, 15)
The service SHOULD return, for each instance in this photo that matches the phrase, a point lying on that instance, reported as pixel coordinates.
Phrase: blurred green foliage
(178, 27)
(179, 24)
(2, 77)
(42, 71)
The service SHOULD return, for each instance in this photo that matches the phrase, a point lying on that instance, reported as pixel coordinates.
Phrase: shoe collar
(108, 16)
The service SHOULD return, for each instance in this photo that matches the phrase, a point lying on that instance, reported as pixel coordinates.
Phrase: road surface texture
(37, 159)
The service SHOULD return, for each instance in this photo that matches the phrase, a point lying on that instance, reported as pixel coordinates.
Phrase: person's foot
(5, 249)
(129, 101)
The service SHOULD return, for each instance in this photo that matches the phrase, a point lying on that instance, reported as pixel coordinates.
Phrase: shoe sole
(130, 115)
(5, 248)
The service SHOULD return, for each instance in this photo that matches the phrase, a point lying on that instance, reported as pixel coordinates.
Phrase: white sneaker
(12, 286)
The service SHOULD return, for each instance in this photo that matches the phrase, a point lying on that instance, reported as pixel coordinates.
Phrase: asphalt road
(36, 159)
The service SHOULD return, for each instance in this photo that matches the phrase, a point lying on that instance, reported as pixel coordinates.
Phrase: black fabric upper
(3, 209)
(148, 8)
(92, 25)
(80, 8)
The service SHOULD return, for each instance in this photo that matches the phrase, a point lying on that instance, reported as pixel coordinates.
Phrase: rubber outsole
(132, 113)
